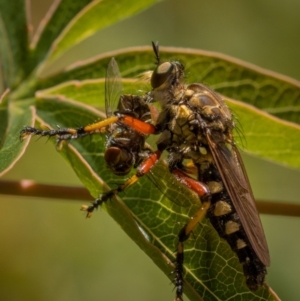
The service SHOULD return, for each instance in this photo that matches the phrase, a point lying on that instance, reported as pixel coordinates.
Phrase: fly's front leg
(68, 133)
(142, 169)
(62, 134)
(203, 192)
(138, 125)
(71, 133)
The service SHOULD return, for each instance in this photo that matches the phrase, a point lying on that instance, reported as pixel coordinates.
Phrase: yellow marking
(100, 124)
(203, 150)
(231, 227)
(129, 182)
(183, 115)
(191, 164)
(222, 208)
(240, 244)
(72, 131)
(214, 187)
(189, 92)
(197, 218)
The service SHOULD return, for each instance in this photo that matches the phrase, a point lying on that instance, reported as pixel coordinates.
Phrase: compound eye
(161, 74)
(118, 161)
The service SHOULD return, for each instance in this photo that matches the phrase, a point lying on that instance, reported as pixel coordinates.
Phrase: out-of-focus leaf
(3, 116)
(99, 14)
(13, 42)
(56, 19)
(268, 91)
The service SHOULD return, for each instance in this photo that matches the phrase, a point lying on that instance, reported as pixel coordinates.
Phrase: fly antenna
(156, 52)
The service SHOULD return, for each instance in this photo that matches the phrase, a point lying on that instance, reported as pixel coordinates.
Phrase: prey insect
(195, 125)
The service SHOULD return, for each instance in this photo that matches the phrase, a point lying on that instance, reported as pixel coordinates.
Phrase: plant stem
(29, 188)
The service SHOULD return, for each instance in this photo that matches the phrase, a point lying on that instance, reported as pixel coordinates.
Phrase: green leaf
(98, 15)
(13, 42)
(209, 261)
(267, 137)
(13, 117)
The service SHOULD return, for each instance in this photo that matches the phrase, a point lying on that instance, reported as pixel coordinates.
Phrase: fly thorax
(211, 112)
(206, 104)
(179, 124)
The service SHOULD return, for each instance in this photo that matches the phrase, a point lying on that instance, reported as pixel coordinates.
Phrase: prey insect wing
(113, 87)
(234, 177)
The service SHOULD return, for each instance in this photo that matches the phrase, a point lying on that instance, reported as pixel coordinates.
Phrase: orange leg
(138, 125)
(203, 192)
(143, 169)
(70, 133)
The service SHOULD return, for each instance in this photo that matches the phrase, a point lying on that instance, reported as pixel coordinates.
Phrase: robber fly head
(166, 74)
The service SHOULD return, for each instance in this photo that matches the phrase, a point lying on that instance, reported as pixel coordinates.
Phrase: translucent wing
(231, 168)
(113, 87)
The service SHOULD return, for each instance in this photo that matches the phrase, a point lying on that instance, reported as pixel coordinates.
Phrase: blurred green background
(49, 251)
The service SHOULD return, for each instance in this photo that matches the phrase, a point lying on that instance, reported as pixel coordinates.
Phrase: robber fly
(194, 125)
(197, 125)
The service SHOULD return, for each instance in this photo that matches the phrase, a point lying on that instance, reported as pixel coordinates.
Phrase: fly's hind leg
(203, 191)
(142, 169)
(107, 196)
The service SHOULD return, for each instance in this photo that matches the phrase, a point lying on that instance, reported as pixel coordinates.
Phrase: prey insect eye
(161, 74)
